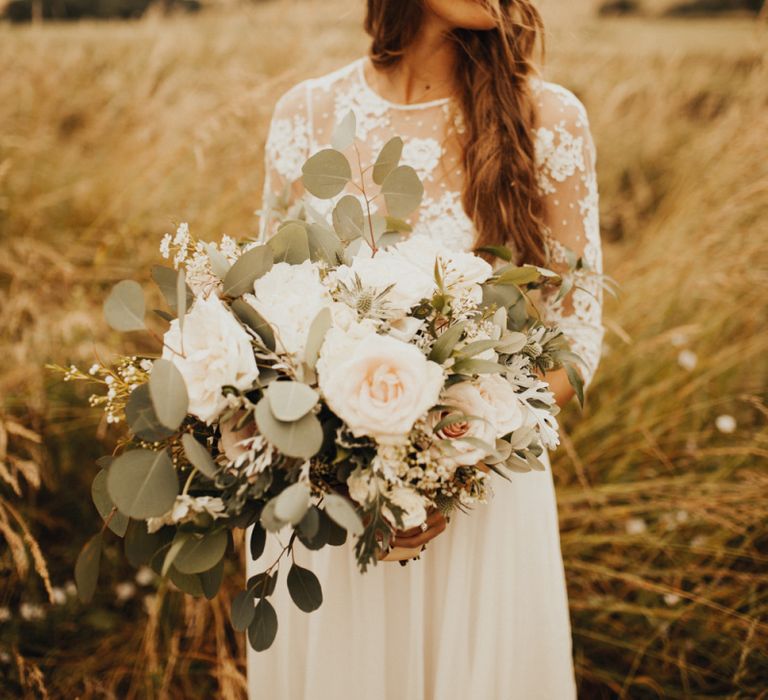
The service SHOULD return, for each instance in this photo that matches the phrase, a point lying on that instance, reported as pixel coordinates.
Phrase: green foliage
(326, 173)
(249, 267)
(143, 483)
(124, 307)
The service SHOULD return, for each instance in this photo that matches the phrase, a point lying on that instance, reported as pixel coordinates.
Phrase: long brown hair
(500, 193)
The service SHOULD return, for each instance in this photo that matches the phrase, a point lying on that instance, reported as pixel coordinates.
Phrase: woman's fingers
(432, 519)
(415, 537)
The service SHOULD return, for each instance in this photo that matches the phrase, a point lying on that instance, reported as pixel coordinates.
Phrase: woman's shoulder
(558, 106)
(301, 95)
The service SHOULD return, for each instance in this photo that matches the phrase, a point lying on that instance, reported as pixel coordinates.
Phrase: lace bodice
(303, 122)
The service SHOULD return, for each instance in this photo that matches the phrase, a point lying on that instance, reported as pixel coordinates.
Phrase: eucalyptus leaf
(219, 264)
(247, 269)
(263, 584)
(341, 511)
(499, 251)
(322, 533)
(124, 308)
(118, 522)
(290, 244)
(257, 541)
(140, 545)
(476, 347)
(304, 588)
(268, 520)
(301, 438)
(309, 525)
(348, 218)
(263, 628)
(518, 275)
(181, 298)
(143, 483)
(316, 335)
(388, 159)
(324, 244)
(476, 366)
(576, 381)
(344, 133)
(326, 173)
(512, 342)
(292, 503)
(243, 610)
(141, 418)
(168, 393)
(87, 568)
(202, 552)
(290, 400)
(188, 583)
(210, 580)
(199, 456)
(166, 280)
(178, 542)
(402, 191)
(255, 321)
(446, 341)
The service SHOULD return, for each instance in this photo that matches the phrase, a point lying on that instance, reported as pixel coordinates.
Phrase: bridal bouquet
(338, 380)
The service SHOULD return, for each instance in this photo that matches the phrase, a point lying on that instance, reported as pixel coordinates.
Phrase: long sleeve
(286, 149)
(566, 165)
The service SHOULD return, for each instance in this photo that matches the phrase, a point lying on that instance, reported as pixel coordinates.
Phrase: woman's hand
(414, 538)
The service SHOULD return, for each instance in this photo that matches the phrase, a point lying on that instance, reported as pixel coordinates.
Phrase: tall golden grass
(112, 132)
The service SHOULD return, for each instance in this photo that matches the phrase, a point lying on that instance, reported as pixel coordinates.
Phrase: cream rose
(215, 352)
(505, 403)
(377, 385)
(413, 504)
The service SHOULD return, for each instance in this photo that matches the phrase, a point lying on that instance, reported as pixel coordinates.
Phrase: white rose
(411, 283)
(413, 504)
(465, 398)
(289, 297)
(378, 386)
(500, 395)
(215, 352)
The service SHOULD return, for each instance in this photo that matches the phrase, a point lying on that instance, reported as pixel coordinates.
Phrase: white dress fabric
(483, 614)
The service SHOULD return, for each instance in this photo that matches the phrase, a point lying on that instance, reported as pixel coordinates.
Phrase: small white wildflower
(125, 590)
(146, 365)
(5, 614)
(31, 611)
(681, 516)
(109, 379)
(94, 368)
(678, 339)
(144, 576)
(70, 588)
(5, 657)
(635, 526)
(687, 359)
(725, 424)
(59, 596)
(672, 599)
(165, 246)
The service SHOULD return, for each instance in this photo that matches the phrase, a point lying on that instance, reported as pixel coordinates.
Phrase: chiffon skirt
(482, 615)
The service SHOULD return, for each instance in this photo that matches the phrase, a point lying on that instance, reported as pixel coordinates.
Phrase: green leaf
(143, 483)
(262, 585)
(304, 588)
(518, 275)
(141, 418)
(263, 628)
(166, 280)
(475, 366)
(309, 525)
(292, 503)
(247, 269)
(397, 225)
(201, 552)
(188, 583)
(301, 438)
(499, 251)
(577, 382)
(141, 546)
(326, 173)
(341, 511)
(344, 132)
(199, 456)
(324, 244)
(348, 218)
(388, 159)
(290, 244)
(443, 346)
(178, 542)
(291, 400)
(118, 523)
(512, 342)
(500, 295)
(124, 307)
(211, 580)
(168, 393)
(402, 191)
(87, 568)
(317, 330)
(181, 298)
(255, 321)
(476, 347)
(257, 541)
(320, 537)
(337, 535)
(243, 610)
(219, 263)
(268, 520)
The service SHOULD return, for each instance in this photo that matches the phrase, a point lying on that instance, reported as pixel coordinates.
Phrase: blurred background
(142, 114)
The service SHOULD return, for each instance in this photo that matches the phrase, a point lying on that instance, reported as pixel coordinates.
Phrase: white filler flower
(378, 386)
(215, 352)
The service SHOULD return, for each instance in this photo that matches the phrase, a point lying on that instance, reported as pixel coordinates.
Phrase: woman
(506, 158)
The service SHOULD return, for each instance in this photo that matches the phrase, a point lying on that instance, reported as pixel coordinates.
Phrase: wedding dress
(483, 613)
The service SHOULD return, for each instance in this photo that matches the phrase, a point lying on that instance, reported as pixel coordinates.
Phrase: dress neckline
(360, 72)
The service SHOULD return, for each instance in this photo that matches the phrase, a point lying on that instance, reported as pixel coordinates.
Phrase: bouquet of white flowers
(339, 379)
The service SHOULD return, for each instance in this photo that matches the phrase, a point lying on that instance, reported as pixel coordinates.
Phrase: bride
(506, 158)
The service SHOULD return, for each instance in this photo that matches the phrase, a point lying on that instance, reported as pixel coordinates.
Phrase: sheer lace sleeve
(566, 159)
(287, 148)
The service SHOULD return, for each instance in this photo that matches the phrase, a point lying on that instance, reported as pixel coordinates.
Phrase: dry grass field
(112, 132)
